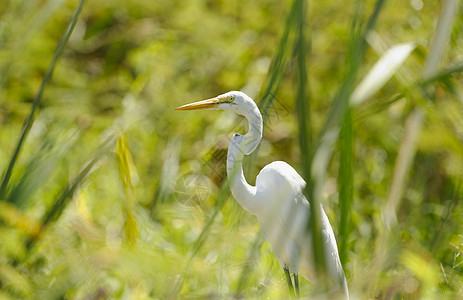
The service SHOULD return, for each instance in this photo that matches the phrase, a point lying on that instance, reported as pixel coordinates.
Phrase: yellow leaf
(127, 172)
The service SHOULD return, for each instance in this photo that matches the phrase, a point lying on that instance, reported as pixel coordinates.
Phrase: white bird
(277, 199)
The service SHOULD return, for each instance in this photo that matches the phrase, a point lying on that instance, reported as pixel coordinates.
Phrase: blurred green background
(115, 195)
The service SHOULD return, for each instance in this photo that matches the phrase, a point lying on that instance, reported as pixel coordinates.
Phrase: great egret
(277, 199)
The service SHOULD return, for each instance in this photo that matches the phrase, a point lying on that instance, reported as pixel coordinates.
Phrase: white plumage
(277, 199)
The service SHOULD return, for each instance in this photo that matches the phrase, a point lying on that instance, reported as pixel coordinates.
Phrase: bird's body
(277, 199)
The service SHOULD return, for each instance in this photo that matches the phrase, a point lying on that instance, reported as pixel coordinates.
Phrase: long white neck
(243, 192)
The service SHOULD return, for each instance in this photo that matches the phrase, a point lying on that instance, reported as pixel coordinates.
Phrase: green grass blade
(356, 53)
(68, 191)
(39, 169)
(201, 239)
(30, 119)
(331, 127)
(305, 139)
(302, 96)
(345, 183)
(444, 74)
(274, 76)
(252, 258)
(278, 65)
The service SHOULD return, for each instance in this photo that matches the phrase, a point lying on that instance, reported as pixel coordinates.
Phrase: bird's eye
(229, 100)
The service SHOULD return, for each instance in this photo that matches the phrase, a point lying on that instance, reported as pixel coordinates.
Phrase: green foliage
(108, 193)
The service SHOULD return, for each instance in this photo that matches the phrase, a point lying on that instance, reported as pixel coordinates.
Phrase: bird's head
(242, 104)
(237, 102)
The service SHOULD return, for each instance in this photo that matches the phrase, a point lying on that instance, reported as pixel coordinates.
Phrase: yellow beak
(204, 104)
